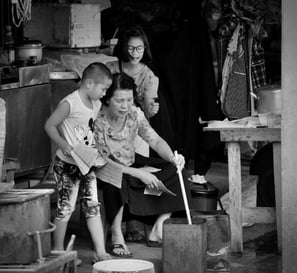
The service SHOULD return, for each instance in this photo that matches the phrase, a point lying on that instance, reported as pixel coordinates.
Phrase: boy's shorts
(70, 183)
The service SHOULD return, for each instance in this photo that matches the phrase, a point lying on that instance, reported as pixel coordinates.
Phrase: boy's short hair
(96, 71)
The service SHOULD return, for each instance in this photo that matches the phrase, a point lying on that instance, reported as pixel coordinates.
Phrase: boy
(72, 123)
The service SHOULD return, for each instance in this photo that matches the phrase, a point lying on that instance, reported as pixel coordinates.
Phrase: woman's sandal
(151, 243)
(133, 236)
(124, 253)
(100, 257)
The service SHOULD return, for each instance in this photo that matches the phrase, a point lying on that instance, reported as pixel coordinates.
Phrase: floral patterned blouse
(120, 146)
(146, 81)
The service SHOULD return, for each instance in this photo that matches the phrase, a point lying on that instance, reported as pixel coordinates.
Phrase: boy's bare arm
(51, 127)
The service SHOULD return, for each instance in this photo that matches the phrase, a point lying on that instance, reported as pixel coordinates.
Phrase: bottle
(70, 243)
(9, 44)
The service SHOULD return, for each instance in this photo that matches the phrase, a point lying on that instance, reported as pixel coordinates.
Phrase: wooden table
(238, 215)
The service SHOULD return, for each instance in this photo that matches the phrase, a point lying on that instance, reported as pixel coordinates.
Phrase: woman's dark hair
(119, 81)
(121, 49)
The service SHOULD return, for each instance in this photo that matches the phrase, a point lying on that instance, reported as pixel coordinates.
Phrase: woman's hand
(153, 109)
(148, 179)
(67, 150)
(178, 160)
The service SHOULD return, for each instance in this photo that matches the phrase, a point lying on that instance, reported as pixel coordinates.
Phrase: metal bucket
(269, 99)
(184, 246)
(24, 226)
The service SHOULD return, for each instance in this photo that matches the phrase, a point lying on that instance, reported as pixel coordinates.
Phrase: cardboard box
(69, 26)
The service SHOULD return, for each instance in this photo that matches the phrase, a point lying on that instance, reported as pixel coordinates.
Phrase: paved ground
(260, 245)
(259, 248)
(259, 254)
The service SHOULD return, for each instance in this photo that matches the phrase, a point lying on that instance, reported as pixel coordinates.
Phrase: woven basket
(2, 133)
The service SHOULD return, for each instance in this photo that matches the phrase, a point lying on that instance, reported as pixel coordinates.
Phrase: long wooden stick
(181, 181)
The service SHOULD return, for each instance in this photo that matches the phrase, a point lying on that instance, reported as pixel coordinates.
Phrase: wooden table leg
(278, 191)
(234, 176)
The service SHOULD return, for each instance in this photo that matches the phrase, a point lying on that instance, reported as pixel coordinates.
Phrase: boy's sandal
(78, 262)
(123, 252)
(133, 236)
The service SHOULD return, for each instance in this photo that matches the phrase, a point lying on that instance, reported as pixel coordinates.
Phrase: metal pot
(269, 99)
(30, 52)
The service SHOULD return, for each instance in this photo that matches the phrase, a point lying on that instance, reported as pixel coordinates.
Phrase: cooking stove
(9, 77)
(15, 76)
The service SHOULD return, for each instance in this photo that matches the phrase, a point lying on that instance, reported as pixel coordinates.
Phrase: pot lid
(30, 44)
(204, 189)
(269, 88)
(22, 195)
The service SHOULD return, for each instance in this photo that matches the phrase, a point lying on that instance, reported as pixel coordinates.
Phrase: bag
(236, 102)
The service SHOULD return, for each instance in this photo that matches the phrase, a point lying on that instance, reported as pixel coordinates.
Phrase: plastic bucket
(218, 240)
(124, 266)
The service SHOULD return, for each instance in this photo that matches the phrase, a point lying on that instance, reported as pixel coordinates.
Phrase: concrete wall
(289, 135)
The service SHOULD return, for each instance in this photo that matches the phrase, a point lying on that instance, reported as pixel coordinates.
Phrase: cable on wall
(20, 11)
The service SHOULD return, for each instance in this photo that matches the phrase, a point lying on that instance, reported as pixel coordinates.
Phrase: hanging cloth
(234, 96)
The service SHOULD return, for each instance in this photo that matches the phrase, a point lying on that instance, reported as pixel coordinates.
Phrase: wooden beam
(289, 136)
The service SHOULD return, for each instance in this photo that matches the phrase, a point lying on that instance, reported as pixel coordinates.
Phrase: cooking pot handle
(41, 259)
(255, 96)
(221, 205)
(51, 229)
(205, 186)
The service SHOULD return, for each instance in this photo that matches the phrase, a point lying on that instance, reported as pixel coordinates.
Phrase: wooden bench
(54, 263)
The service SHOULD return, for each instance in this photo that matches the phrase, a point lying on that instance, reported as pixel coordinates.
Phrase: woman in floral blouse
(135, 59)
(117, 125)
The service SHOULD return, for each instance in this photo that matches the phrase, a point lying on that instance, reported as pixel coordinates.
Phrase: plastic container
(124, 265)
(218, 241)
(204, 196)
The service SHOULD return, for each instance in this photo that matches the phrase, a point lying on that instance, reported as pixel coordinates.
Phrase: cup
(111, 44)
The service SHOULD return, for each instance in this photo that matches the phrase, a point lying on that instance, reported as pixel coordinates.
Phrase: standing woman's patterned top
(120, 146)
(146, 81)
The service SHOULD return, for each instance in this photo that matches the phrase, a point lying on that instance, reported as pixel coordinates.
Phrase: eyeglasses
(139, 49)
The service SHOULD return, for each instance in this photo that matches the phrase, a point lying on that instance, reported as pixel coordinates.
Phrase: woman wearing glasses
(134, 56)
